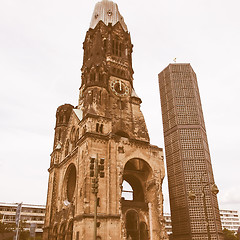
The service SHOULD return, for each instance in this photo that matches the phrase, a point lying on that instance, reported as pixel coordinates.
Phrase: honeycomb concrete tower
(192, 191)
(102, 161)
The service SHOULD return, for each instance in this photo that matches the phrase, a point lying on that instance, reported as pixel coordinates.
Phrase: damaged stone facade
(109, 124)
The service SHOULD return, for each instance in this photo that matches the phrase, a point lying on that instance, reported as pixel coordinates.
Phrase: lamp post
(192, 196)
(96, 170)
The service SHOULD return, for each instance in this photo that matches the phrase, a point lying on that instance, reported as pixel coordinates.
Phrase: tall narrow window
(97, 127)
(101, 128)
(59, 134)
(70, 182)
(120, 49)
(62, 232)
(67, 148)
(132, 225)
(100, 78)
(92, 76)
(113, 47)
(90, 96)
(105, 45)
(100, 97)
(116, 48)
(127, 191)
(143, 231)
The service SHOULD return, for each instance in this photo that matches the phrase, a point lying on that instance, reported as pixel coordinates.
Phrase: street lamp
(96, 170)
(192, 196)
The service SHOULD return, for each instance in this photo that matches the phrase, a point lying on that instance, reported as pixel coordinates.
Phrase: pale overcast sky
(40, 60)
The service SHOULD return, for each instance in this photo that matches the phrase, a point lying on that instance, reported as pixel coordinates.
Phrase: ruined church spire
(107, 11)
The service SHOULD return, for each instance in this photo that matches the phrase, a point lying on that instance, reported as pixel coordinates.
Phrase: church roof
(107, 11)
(134, 94)
(78, 113)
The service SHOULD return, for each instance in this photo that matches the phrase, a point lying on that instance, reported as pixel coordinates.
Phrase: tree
(11, 228)
(7, 227)
(229, 235)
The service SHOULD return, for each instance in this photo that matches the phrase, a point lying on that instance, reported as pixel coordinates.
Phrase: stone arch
(70, 230)
(122, 134)
(143, 231)
(135, 183)
(62, 231)
(138, 173)
(55, 232)
(132, 224)
(139, 168)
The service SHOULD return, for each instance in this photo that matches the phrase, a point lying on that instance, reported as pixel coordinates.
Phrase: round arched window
(72, 135)
(127, 191)
(70, 182)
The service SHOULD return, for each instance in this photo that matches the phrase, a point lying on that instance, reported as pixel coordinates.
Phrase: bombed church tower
(105, 179)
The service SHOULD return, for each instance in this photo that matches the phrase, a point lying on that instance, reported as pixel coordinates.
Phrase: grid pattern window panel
(194, 165)
(183, 85)
(171, 180)
(181, 68)
(175, 171)
(189, 133)
(172, 122)
(191, 144)
(176, 156)
(187, 154)
(177, 191)
(178, 203)
(187, 119)
(176, 178)
(178, 168)
(182, 101)
(198, 227)
(169, 124)
(168, 115)
(172, 137)
(196, 213)
(167, 106)
(174, 147)
(170, 160)
(184, 92)
(163, 95)
(199, 154)
(179, 178)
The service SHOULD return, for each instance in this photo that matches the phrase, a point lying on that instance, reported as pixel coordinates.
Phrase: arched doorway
(143, 231)
(132, 225)
(70, 231)
(135, 197)
(62, 233)
(54, 233)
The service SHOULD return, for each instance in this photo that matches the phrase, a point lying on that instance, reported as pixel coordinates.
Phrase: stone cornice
(99, 216)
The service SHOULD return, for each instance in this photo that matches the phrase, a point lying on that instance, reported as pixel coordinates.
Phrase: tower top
(107, 11)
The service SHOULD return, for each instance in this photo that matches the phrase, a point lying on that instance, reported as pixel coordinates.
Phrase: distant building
(230, 220)
(168, 223)
(31, 214)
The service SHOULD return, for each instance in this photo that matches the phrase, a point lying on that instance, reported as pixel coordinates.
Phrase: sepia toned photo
(119, 120)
